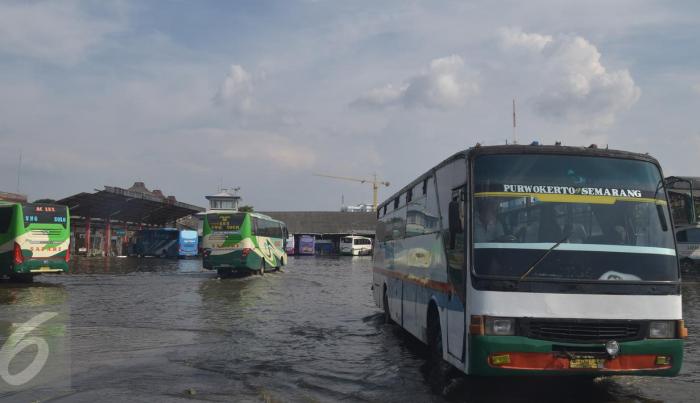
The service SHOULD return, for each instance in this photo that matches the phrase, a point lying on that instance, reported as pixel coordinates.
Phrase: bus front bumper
(515, 355)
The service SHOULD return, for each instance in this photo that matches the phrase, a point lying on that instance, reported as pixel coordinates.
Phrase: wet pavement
(165, 330)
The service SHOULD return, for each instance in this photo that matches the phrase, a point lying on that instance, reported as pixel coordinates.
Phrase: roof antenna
(19, 168)
(515, 139)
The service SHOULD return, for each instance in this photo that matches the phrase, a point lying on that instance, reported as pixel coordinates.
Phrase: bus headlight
(662, 329)
(499, 326)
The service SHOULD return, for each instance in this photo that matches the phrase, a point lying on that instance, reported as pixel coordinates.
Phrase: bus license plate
(585, 363)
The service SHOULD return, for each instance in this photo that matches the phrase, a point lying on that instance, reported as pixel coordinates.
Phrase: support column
(108, 237)
(87, 236)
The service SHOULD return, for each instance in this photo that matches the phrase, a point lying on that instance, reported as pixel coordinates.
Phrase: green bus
(242, 242)
(34, 239)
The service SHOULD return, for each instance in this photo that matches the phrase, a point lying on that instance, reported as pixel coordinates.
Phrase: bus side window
(693, 235)
(682, 236)
(456, 216)
(5, 218)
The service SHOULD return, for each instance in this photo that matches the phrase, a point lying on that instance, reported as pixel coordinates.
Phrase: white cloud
(55, 32)
(516, 38)
(236, 90)
(573, 85)
(696, 88)
(264, 146)
(444, 85)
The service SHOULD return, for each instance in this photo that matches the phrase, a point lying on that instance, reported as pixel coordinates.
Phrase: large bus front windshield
(573, 217)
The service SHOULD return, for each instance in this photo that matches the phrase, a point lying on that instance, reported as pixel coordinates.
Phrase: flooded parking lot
(154, 330)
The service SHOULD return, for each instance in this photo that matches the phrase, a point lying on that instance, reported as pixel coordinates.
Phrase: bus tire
(262, 267)
(385, 303)
(438, 369)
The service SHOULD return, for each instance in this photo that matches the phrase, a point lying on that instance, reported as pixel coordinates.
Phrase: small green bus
(34, 239)
(242, 242)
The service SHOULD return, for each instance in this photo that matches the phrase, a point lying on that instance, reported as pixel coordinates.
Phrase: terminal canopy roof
(125, 205)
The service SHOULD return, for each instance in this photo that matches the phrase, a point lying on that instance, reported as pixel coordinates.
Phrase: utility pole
(19, 169)
(515, 139)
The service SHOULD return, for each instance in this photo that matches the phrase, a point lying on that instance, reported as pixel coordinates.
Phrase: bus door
(456, 271)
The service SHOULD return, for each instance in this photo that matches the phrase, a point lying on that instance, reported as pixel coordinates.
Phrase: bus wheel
(385, 302)
(22, 278)
(438, 369)
(262, 267)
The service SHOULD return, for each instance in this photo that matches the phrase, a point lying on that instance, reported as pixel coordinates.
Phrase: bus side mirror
(455, 221)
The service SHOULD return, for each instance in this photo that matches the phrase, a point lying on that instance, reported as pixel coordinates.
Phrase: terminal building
(103, 222)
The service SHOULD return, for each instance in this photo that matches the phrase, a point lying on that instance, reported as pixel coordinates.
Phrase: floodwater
(165, 330)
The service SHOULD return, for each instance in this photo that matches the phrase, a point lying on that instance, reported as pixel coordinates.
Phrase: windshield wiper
(544, 255)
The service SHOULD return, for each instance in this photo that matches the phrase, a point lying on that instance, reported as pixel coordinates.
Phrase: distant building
(358, 208)
(224, 200)
(140, 187)
(13, 197)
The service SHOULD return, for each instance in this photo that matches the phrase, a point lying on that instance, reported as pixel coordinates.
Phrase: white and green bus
(535, 260)
(34, 239)
(242, 242)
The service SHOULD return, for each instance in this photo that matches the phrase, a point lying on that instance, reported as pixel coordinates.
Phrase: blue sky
(261, 94)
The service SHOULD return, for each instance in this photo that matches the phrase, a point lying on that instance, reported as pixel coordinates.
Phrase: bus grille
(582, 330)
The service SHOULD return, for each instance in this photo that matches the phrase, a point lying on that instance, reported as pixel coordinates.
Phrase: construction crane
(374, 181)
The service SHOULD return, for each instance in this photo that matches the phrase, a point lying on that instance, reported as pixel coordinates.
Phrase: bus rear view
(34, 239)
(188, 245)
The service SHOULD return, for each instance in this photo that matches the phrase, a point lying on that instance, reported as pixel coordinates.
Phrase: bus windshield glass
(44, 214)
(225, 222)
(603, 219)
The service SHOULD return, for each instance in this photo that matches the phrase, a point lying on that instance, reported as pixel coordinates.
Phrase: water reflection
(148, 329)
(33, 294)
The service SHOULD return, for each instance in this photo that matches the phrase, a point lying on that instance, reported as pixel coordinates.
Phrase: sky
(190, 96)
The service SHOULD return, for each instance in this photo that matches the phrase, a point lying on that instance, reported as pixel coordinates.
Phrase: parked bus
(290, 249)
(34, 239)
(688, 238)
(307, 245)
(156, 242)
(187, 243)
(543, 260)
(354, 245)
(243, 242)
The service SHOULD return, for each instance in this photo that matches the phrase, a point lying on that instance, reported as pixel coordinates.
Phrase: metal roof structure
(327, 222)
(13, 197)
(133, 206)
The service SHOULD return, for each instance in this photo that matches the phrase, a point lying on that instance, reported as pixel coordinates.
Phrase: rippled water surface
(159, 330)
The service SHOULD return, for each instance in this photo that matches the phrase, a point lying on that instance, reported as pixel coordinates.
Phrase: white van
(688, 238)
(355, 245)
